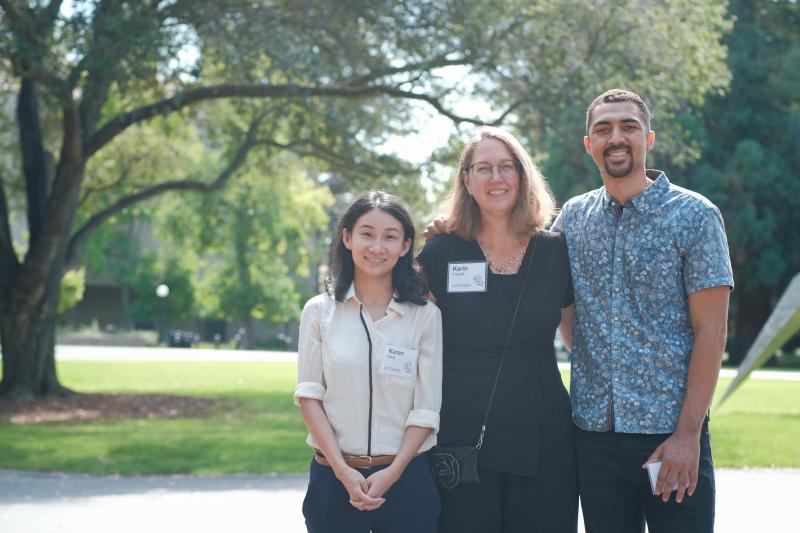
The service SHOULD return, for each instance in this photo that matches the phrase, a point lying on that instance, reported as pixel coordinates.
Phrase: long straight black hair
(407, 281)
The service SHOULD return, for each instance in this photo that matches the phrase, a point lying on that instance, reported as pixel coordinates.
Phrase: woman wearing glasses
(369, 379)
(493, 267)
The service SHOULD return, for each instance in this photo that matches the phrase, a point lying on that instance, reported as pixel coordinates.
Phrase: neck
(372, 291)
(625, 188)
(496, 231)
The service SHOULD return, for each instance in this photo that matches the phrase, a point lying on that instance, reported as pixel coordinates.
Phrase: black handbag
(451, 465)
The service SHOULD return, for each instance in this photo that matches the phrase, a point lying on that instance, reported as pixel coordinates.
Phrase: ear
(347, 239)
(587, 144)
(465, 179)
(651, 139)
(406, 247)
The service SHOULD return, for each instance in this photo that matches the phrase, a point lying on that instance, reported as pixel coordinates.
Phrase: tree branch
(48, 17)
(21, 19)
(228, 90)
(320, 151)
(436, 62)
(79, 237)
(33, 156)
(8, 258)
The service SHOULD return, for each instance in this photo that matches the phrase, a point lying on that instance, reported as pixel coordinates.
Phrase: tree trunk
(28, 346)
(752, 311)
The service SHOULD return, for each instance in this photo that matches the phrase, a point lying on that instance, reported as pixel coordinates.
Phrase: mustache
(617, 147)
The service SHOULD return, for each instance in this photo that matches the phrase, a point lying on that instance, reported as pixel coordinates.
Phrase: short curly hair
(613, 96)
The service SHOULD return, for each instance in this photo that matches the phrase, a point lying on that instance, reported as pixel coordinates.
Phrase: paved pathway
(759, 500)
(117, 353)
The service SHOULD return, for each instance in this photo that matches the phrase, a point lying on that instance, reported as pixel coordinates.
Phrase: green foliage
(72, 288)
(253, 246)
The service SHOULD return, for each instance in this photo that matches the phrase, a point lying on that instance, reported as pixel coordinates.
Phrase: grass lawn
(263, 432)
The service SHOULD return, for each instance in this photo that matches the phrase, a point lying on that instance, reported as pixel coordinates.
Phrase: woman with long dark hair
(369, 379)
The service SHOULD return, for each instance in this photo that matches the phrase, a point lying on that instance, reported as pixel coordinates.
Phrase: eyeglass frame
(517, 168)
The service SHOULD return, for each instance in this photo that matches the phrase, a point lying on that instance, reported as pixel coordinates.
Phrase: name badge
(399, 361)
(467, 276)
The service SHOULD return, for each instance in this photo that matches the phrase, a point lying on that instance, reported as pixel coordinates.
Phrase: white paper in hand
(652, 472)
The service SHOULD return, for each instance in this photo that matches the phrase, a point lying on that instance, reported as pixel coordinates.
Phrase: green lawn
(758, 426)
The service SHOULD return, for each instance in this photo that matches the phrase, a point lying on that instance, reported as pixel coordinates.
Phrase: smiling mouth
(617, 155)
(375, 261)
(497, 192)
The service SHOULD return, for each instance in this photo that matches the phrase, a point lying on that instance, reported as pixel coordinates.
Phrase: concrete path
(759, 500)
(124, 353)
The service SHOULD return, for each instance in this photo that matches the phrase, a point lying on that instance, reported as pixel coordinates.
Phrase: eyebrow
(508, 160)
(367, 226)
(629, 120)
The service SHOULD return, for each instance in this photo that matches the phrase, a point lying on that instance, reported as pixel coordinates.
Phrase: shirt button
(619, 227)
(616, 289)
(619, 259)
(614, 347)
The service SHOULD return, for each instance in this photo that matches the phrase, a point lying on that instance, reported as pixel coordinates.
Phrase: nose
(377, 245)
(496, 173)
(617, 137)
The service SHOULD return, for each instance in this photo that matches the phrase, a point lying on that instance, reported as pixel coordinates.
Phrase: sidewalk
(124, 353)
(759, 500)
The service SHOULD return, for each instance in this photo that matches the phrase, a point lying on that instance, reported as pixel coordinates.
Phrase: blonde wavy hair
(535, 205)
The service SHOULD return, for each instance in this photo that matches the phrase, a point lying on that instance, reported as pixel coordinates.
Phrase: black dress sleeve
(563, 258)
(429, 259)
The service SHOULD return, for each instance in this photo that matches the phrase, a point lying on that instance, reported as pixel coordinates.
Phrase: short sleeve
(428, 387)
(558, 223)
(569, 295)
(427, 261)
(707, 263)
(310, 377)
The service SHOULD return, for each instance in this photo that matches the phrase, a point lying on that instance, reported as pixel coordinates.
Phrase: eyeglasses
(483, 171)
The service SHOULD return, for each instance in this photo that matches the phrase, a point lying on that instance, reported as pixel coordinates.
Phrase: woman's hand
(357, 487)
(381, 481)
(437, 227)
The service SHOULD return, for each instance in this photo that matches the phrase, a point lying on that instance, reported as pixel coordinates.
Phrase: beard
(618, 170)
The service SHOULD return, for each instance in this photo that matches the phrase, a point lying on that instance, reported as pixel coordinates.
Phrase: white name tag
(399, 361)
(466, 276)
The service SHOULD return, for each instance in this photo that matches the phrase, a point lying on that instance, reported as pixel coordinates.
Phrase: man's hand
(357, 487)
(680, 458)
(381, 481)
(437, 227)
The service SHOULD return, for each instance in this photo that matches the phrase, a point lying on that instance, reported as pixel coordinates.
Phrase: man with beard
(652, 277)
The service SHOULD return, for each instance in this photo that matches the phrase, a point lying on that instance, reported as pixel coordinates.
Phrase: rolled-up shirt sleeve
(428, 387)
(310, 376)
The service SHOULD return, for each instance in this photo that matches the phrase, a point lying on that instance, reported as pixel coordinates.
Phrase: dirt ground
(79, 407)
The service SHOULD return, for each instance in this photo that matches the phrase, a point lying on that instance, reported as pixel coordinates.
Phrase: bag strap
(528, 267)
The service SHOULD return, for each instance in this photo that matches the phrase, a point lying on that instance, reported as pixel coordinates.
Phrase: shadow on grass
(254, 433)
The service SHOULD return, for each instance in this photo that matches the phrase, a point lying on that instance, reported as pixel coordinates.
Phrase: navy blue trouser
(412, 503)
(615, 490)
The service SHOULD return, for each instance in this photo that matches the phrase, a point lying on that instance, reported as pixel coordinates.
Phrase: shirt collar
(394, 305)
(648, 198)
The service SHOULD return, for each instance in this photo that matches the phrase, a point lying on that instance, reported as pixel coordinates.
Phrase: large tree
(105, 66)
(750, 159)
(334, 78)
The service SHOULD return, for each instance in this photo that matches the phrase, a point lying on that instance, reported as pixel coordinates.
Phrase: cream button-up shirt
(333, 366)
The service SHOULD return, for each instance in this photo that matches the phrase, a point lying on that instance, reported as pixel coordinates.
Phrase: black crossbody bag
(451, 465)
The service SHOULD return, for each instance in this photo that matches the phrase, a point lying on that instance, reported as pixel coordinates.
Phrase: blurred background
(402, 86)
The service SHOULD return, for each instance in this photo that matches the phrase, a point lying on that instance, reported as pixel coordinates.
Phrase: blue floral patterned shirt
(633, 269)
